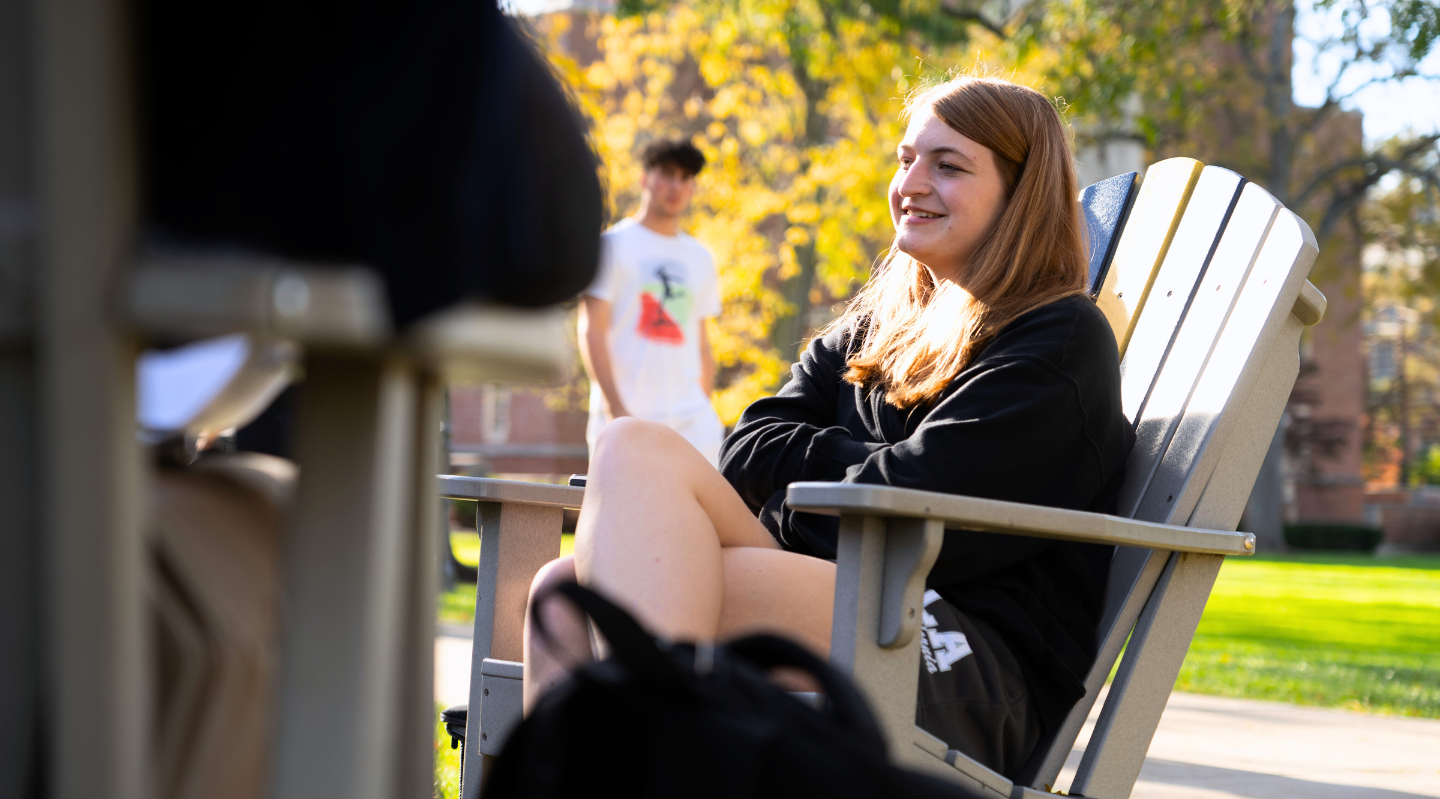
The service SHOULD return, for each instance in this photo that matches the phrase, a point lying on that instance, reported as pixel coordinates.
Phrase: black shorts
(972, 693)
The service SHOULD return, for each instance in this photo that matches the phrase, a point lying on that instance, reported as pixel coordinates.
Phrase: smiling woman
(970, 364)
(987, 229)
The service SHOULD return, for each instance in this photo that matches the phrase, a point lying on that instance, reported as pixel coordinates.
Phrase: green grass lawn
(1347, 631)
(1336, 630)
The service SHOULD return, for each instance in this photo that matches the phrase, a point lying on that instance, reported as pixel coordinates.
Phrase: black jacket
(1034, 418)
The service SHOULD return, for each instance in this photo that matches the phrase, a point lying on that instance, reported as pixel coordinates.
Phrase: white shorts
(702, 428)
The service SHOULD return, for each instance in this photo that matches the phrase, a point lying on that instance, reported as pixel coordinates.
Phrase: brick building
(495, 430)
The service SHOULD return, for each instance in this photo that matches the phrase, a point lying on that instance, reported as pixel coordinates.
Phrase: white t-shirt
(660, 288)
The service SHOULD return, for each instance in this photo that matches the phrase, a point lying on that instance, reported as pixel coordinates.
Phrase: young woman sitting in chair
(971, 363)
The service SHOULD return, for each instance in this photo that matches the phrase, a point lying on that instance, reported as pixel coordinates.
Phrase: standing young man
(642, 322)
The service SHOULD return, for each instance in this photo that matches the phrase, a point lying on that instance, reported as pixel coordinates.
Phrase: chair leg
(515, 541)
(1146, 677)
(880, 573)
(418, 723)
(349, 553)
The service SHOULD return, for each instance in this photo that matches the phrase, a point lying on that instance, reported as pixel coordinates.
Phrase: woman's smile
(918, 216)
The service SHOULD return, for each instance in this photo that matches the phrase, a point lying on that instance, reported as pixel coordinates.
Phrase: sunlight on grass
(1333, 630)
(466, 546)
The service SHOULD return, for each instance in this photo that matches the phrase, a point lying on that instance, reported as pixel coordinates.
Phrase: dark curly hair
(679, 153)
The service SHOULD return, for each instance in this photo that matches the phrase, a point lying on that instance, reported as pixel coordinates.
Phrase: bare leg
(665, 536)
(766, 591)
(655, 519)
(566, 644)
(778, 592)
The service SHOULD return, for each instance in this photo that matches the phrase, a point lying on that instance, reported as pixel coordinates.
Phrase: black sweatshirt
(1034, 418)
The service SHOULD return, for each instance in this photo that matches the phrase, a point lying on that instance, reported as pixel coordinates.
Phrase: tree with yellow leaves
(797, 106)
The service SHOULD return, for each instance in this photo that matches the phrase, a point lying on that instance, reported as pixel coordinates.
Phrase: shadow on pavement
(1259, 785)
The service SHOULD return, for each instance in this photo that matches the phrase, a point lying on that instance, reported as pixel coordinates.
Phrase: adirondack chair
(1202, 277)
(355, 709)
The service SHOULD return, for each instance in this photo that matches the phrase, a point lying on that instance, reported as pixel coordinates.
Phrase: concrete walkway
(1208, 747)
(1213, 748)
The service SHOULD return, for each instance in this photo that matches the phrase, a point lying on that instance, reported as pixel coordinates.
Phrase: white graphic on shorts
(941, 650)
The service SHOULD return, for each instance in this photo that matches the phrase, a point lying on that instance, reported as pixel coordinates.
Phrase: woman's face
(945, 196)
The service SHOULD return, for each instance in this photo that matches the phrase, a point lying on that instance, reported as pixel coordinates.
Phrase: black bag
(424, 138)
(656, 720)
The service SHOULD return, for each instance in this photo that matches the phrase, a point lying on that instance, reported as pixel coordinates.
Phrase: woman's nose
(912, 182)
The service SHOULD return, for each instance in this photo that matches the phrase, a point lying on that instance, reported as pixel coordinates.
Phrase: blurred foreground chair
(152, 156)
(350, 676)
(1203, 278)
(328, 179)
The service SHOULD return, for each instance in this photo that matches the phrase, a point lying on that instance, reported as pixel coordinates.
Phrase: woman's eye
(906, 162)
(949, 167)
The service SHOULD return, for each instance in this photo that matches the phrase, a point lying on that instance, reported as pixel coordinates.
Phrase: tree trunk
(1402, 381)
(1279, 101)
(1265, 512)
(791, 327)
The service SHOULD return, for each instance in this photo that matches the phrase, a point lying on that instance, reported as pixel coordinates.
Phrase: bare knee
(628, 435)
(556, 572)
(564, 640)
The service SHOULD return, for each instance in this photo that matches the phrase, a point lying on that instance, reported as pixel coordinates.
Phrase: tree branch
(1383, 165)
(975, 18)
(1347, 199)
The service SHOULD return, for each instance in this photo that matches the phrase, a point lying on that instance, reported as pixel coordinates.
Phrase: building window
(495, 414)
(1382, 360)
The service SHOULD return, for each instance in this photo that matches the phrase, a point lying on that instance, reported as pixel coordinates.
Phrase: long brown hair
(914, 337)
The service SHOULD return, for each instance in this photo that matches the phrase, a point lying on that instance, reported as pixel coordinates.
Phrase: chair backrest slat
(1194, 340)
(1164, 311)
(1264, 304)
(1144, 241)
(1105, 206)
(1242, 446)
(1239, 261)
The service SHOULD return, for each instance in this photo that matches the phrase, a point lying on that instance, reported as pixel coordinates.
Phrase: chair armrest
(1310, 305)
(199, 294)
(996, 516)
(510, 492)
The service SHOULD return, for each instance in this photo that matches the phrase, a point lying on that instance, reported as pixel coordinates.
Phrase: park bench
(1202, 276)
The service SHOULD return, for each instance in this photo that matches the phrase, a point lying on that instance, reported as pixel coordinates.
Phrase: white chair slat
(1148, 231)
(1265, 301)
(1247, 241)
(1195, 340)
(1194, 241)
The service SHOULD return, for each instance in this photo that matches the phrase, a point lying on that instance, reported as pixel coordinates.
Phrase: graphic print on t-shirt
(665, 305)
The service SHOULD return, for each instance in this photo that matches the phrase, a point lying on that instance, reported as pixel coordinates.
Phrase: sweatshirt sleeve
(793, 435)
(1014, 432)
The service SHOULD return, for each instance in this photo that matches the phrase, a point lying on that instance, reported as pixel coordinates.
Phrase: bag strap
(638, 650)
(629, 643)
(844, 704)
